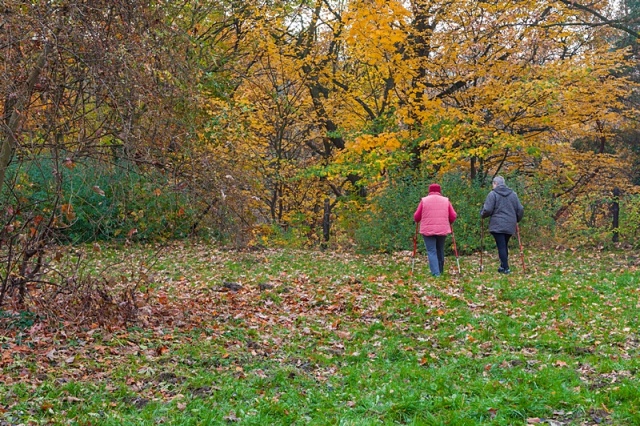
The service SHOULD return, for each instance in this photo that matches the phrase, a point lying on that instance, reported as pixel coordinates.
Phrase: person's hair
(498, 180)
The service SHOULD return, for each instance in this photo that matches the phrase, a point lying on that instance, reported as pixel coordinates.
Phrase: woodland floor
(304, 337)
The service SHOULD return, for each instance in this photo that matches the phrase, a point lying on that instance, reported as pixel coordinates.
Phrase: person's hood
(503, 190)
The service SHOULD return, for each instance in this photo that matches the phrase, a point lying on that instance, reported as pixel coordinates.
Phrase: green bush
(388, 224)
(101, 201)
(589, 221)
(630, 219)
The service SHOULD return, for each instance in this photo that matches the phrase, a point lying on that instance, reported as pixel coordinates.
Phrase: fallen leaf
(231, 417)
(68, 163)
(344, 335)
(97, 190)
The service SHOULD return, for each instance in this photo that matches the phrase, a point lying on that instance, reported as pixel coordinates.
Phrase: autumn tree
(502, 87)
(81, 81)
(302, 99)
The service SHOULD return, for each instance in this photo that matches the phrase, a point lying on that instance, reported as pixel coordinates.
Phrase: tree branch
(604, 20)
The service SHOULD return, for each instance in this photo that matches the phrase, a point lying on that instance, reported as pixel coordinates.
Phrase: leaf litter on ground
(319, 312)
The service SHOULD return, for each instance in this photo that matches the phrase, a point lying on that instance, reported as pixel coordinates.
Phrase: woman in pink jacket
(435, 215)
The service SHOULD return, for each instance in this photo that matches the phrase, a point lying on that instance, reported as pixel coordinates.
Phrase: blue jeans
(502, 242)
(435, 252)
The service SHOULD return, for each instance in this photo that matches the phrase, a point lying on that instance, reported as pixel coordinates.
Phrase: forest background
(206, 211)
(310, 124)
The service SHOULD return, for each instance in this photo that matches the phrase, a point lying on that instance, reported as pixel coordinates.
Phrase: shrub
(630, 219)
(388, 223)
(101, 201)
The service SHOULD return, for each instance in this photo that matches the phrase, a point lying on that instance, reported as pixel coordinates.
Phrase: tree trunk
(615, 210)
(326, 223)
(473, 168)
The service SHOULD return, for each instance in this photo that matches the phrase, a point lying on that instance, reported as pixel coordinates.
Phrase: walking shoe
(501, 270)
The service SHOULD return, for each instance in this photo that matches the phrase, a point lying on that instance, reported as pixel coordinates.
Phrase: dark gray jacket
(504, 207)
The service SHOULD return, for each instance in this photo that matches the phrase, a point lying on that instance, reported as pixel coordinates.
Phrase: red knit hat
(434, 187)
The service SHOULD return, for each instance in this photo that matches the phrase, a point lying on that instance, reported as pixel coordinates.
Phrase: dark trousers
(435, 252)
(502, 242)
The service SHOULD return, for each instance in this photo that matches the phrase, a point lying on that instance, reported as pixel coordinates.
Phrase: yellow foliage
(385, 142)
(355, 88)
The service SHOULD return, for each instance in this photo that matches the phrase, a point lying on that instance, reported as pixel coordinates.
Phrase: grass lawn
(295, 337)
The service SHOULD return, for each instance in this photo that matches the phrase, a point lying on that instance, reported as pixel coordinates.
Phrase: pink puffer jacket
(435, 214)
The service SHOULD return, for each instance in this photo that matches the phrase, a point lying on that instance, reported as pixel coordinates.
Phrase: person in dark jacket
(504, 208)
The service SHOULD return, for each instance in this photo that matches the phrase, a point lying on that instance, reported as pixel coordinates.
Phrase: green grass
(340, 339)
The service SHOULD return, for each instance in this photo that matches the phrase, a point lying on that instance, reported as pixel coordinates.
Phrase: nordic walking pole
(524, 270)
(415, 247)
(455, 249)
(481, 241)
